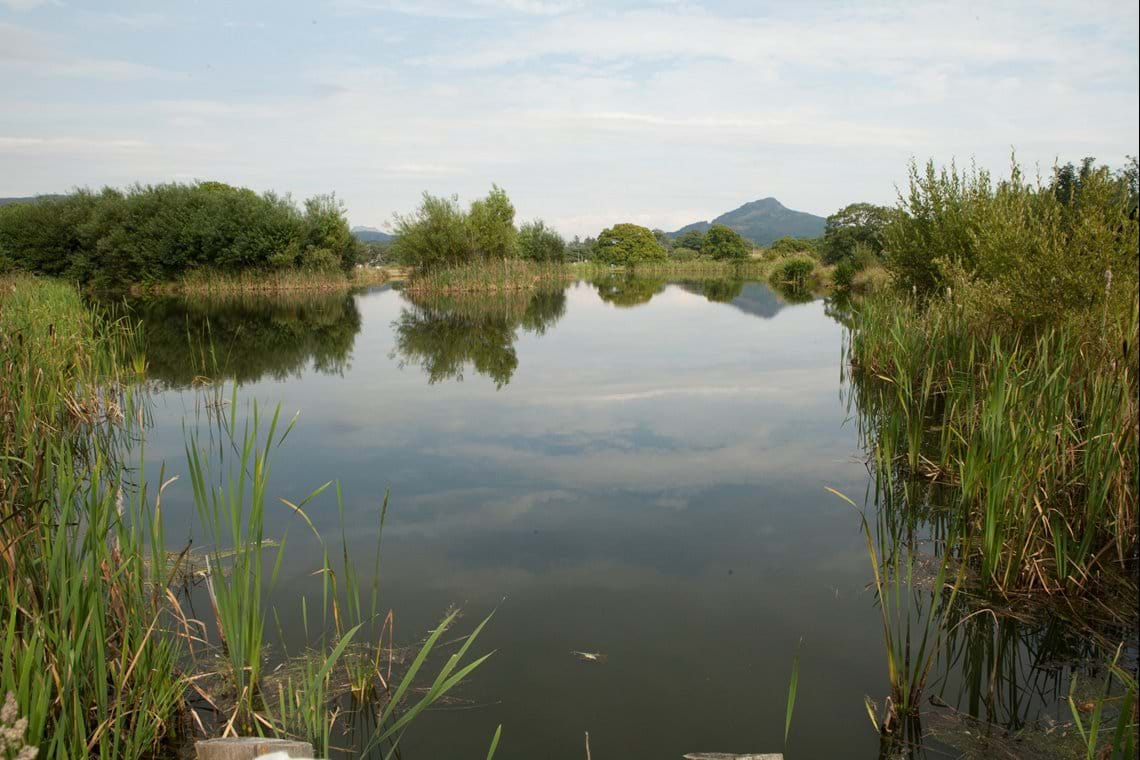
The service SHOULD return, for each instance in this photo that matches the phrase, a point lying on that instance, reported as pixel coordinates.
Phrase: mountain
(6, 201)
(372, 235)
(763, 221)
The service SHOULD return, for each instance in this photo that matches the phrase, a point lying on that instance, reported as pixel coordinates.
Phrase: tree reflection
(628, 289)
(244, 337)
(443, 334)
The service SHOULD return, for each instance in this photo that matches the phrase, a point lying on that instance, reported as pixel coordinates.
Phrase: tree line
(151, 233)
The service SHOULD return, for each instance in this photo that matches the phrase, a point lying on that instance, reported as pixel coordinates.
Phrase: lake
(632, 467)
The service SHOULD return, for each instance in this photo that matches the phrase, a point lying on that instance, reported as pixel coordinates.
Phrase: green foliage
(1024, 253)
(1036, 435)
(786, 246)
(440, 234)
(491, 226)
(853, 225)
(844, 275)
(159, 233)
(680, 254)
(626, 244)
(725, 243)
(796, 271)
(434, 235)
(691, 239)
(537, 242)
(663, 239)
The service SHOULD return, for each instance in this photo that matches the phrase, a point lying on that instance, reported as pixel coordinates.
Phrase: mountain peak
(765, 220)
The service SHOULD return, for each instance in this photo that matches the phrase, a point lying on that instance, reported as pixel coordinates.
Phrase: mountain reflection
(244, 337)
(444, 333)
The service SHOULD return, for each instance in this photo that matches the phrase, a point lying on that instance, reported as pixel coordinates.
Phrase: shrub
(725, 243)
(785, 246)
(683, 254)
(320, 260)
(626, 244)
(694, 240)
(163, 232)
(433, 235)
(1015, 250)
(859, 224)
(491, 226)
(796, 271)
(440, 234)
(537, 242)
(844, 274)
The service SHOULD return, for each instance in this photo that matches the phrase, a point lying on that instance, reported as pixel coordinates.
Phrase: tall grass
(1036, 434)
(492, 275)
(206, 282)
(84, 626)
(97, 649)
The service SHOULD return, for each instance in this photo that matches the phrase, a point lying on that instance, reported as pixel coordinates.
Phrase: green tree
(434, 235)
(491, 226)
(691, 239)
(537, 242)
(725, 244)
(788, 245)
(626, 244)
(858, 223)
(326, 228)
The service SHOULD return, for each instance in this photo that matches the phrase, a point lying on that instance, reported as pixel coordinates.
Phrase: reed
(493, 275)
(98, 653)
(213, 282)
(1034, 432)
(84, 623)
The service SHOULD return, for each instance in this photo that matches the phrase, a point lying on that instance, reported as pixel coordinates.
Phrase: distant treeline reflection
(244, 337)
(443, 334)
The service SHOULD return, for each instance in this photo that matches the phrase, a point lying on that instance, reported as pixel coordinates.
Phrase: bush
(859, 224)
(626, 244)
(491, 226)
(433, 235)
(440, 234)
(796, 271)
(844, 274)
(1017, 251)
(725, 243)
(694, 240)
(683, 254)
(786, 246)
(320, 260)
(163, 232)
(537, 242)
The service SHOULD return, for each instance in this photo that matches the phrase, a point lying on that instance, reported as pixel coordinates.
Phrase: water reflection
(628, 289)
(245, 337)
(443, 334)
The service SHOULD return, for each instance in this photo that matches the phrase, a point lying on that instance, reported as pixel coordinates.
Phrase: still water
(635, 468)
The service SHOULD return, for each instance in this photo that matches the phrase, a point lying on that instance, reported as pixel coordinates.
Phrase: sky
(587, 113)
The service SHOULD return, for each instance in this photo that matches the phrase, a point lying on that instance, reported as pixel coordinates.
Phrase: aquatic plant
(98, 652)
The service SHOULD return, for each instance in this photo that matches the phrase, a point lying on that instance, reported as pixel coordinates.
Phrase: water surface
(630, 467)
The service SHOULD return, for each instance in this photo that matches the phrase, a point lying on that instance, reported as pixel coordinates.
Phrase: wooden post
(249, 748)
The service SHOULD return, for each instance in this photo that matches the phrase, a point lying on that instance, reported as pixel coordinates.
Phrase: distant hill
(763, 221)
(6, 201)
(372, 235)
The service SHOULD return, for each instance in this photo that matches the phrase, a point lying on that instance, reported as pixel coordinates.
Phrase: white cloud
(25, 5)
(586, 114)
